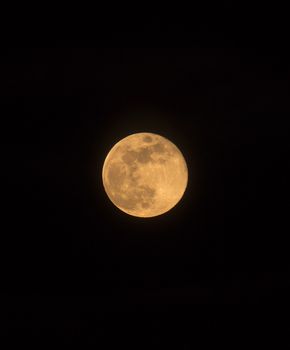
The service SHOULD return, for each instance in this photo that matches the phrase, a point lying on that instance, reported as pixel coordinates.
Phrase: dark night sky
(77, 270)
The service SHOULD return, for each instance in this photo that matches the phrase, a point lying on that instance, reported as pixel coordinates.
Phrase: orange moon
(145, 175)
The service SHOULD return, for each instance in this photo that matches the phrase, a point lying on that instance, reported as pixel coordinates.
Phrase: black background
(77, 270)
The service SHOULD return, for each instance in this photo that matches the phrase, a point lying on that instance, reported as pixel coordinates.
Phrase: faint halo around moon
(145, 175)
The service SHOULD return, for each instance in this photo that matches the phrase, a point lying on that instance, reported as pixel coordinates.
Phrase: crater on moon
(147, 139)
(145, 175)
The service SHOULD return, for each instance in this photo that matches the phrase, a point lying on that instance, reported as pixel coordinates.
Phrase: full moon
(145, 175)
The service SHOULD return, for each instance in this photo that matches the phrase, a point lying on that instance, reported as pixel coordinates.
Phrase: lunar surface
(145, 175)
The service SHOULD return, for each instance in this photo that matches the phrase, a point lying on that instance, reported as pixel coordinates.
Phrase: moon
(145, 175)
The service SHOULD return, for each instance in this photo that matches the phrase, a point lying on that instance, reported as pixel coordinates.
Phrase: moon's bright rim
(145, 175)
